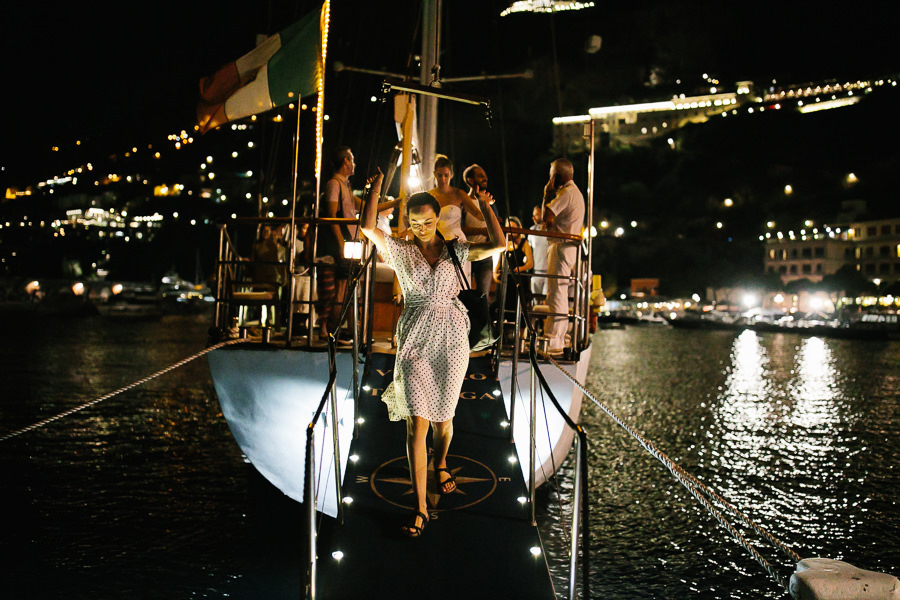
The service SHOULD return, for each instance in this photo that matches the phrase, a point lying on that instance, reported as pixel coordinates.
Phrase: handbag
(481, 331)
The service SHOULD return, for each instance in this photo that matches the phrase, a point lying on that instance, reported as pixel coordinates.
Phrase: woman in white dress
(452, 201)
(432, 334)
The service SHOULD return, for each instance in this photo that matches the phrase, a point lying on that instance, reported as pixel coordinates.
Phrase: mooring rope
(699, 491)
(134, 384)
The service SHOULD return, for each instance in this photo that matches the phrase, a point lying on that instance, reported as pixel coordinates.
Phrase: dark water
(800, 433)
(145, 495)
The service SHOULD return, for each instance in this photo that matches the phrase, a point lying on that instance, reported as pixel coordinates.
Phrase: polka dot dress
(432, 334)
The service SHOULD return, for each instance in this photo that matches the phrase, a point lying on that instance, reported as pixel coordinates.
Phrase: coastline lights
(544, 6)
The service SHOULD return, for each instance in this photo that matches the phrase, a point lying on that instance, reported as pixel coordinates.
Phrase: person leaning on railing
(563, 212)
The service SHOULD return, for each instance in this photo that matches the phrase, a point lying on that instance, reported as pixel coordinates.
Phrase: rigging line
(697, 489)
(134, 384)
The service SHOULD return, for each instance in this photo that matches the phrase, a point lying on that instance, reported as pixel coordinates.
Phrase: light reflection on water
(797, 432)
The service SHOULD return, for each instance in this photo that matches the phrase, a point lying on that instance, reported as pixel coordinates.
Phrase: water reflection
(744, 406)
(815, 392)
(794, 431)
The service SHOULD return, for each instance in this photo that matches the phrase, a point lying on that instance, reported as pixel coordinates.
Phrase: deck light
(360, 421)
(535, 551)
(354, 457)
(337, 555)
(512, 460)
(522, 499)
(348, 500)
(366, 387)
(496, 392)
(353, 250)
(504, 423)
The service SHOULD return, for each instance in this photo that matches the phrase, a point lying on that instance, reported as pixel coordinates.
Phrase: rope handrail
(134, 384)
(699, 490)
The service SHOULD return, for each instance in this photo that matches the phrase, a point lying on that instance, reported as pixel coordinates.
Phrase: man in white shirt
(482, 270)
(539, 251)
(563, 212)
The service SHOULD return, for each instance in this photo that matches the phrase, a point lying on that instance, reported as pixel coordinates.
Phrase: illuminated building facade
(871, 247)
(877, 248)
(810, 258)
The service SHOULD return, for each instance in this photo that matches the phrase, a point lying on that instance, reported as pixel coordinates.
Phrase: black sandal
(410, 529)
(442, 485)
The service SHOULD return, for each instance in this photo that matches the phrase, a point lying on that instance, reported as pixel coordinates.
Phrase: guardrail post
(310, 500)
(576, 510)
(513, 387)
(335, 434)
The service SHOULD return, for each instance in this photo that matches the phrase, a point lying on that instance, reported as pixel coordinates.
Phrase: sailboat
(307, 415)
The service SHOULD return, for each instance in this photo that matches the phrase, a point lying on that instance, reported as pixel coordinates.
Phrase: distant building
(877, 248)
(807, 258)
(871, 247)
(646, 287)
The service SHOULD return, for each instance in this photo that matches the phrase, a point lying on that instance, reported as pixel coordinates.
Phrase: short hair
(420, 199)
(564, 167)
(441, 161)
(468, 172)
(338, 155)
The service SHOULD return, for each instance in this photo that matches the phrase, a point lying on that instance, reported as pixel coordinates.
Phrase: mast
(429, 75)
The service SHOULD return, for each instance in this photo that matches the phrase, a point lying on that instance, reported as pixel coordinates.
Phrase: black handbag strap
(460, 275)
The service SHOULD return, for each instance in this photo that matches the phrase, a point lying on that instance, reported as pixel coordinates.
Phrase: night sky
(123, 73)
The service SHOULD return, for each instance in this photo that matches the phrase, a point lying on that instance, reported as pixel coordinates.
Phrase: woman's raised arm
(370, 212)
(496, 238)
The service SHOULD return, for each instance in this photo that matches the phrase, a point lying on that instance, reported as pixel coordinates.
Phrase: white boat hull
(553, 438)
(269, 397)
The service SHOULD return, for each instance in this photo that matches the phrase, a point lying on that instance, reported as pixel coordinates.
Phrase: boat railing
(294, 296)
(579, 281)
(581, 506)
(310, 476)
(310, 493)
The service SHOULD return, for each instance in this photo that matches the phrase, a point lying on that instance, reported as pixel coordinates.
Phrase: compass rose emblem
(474, 483)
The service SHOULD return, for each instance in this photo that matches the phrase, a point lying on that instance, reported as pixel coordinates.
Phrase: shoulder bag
(481, 331)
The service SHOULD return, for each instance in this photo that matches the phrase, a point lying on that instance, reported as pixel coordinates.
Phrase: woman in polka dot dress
(432, 333)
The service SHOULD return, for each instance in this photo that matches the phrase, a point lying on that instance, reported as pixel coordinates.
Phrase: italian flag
(284, 68)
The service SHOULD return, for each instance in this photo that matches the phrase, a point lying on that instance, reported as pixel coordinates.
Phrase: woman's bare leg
(417, 454)
(443, 434)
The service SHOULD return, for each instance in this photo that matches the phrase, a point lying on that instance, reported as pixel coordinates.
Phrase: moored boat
(298, 407)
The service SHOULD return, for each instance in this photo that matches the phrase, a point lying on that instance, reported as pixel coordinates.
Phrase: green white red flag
(282, 69)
